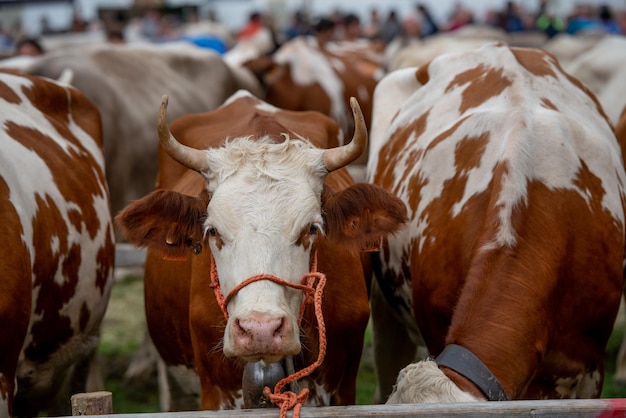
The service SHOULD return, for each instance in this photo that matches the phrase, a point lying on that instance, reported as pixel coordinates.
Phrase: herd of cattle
(489, 227)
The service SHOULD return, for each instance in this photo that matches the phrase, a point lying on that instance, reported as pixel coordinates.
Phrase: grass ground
(123, 333)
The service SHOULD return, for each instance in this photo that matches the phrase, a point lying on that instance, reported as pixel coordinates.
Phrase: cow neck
(312, 293)
(464, 362)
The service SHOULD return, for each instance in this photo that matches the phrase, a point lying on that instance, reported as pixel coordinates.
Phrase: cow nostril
(279, 329)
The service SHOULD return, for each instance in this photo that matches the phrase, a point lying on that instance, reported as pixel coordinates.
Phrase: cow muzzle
(260, 336)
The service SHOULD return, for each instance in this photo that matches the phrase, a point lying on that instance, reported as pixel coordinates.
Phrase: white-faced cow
(58, 249)
(124, 81)
(511, 266)
(271, 197)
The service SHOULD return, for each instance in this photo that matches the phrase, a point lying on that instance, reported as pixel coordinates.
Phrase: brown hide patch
(482, 83)
(396, 146)
(286, 94)
(422, 73)
(15, 290)
(469, 151)
(165, 221)
(53, 330)
(79, 186)
(591, 185)
(305, 238)
(359, 215)
(535, 61)
(8, 94)
(547, 103)
(67, 102)
(467, 155)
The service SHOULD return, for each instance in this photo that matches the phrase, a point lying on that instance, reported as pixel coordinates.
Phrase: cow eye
(314, 228)
(210, 230)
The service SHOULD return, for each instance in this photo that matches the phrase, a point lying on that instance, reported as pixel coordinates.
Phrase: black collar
(467, 364)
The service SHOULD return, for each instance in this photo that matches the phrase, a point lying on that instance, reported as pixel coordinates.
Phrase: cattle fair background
(128, 364)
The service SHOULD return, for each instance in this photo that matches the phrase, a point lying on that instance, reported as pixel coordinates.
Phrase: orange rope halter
(286, 400)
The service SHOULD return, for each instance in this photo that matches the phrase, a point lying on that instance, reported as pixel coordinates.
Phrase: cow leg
(393, 348)
(179, 388)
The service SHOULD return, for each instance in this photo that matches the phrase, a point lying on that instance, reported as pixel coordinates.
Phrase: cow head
(264, 211)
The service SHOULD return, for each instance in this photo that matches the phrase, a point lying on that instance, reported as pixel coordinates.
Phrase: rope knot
(287, 400)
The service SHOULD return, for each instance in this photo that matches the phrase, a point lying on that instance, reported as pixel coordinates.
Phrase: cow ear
(165, 221)
(362, 214)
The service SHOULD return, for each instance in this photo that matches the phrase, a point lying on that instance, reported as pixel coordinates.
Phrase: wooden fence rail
(600, 408)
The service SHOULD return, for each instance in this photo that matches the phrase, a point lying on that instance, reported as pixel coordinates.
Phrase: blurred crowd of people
(512, 17)
(157, 26)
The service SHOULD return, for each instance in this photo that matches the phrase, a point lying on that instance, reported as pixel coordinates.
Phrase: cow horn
(192, 158)
(341, 156)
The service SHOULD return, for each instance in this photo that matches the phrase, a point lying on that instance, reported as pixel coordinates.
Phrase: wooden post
(93, 403)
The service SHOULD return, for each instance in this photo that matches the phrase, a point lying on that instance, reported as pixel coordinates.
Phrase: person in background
(352, 27)
(392, 28)
(582, 20)
(460, 17)
(547, 22)
(429, 26)
(297, 26)
(512, 18)
(28, 46)
(607, 21)
(324, 31)
(373, 29)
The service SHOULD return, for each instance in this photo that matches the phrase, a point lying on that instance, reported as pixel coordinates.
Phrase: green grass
(123, 332)
(611, 389)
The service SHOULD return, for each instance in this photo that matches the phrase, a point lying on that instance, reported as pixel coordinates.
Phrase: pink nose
(260, 333)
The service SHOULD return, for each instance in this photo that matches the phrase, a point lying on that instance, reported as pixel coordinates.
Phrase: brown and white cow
(58, 250)
(302, 75)
(261, 190)
(511, 266)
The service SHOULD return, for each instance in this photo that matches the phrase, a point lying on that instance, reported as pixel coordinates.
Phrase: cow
(601, 69)
(124, 81)
(58, 257)
(305, 74)
(247, 191)
(510, 269)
